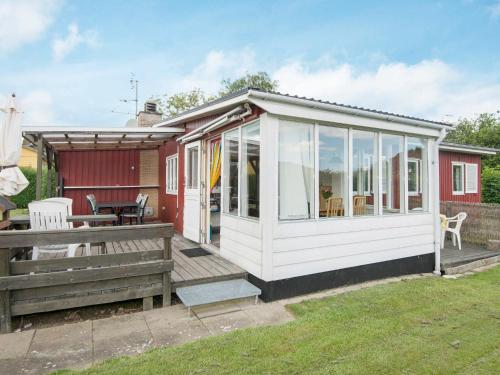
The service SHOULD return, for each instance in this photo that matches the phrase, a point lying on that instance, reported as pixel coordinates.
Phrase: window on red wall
(471, 177)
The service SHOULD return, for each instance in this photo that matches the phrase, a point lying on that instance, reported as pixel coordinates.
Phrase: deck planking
(187, 271)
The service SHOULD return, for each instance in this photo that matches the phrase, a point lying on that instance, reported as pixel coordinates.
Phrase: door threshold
(212, 248)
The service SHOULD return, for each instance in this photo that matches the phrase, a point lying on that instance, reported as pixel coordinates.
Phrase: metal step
(204, 294)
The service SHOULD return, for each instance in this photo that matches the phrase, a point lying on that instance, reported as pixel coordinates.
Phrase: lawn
(421, 326)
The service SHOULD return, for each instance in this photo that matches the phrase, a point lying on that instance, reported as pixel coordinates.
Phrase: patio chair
(334, 207)
(359, 204)
(138, 213)
(92, 203)
(455, 231)
(51, 214)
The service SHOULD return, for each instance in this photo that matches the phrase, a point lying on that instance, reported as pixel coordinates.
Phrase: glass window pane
(457, 178)
(296, 170)
(192, 168)
(392, 170)
(417, 174)
(363, 160)
(230, 184)
(250, 170)
(332, 171)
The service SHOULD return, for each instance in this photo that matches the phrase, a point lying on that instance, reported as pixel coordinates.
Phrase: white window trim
(404, 192)
(223, 142)
(171, 159)
(476, 166)
(419, 175)
(462, 167)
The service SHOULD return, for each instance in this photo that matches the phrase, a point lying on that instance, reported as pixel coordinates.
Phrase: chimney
(151, 114)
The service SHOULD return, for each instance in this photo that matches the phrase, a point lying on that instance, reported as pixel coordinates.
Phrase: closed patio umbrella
(12, 180)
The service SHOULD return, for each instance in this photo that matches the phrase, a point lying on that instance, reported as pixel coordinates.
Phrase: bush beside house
(29, 194)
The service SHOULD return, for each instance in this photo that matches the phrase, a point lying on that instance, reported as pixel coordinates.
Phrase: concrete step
(461, 268)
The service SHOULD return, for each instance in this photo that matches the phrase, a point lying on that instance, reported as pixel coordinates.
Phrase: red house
(460, 172)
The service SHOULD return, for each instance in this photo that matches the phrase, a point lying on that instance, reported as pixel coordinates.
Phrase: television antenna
(134, 86)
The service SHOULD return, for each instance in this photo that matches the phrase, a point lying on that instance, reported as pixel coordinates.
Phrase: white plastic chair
(455, 231)
(51, 214)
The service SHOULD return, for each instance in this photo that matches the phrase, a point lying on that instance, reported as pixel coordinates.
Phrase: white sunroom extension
(317, 195)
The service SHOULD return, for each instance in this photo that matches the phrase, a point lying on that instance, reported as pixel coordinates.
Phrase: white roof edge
(205, 110)
(85, 130)
(467, 149)
(348, 110)
(247, 97)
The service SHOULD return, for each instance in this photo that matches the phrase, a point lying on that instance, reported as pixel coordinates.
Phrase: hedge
(29, 194)
(491, 185)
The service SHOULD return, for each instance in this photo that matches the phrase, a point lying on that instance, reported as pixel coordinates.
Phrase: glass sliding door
(231, 162)
(250, 170)
(392, 171)
(296, 170)
(333, 171)
(363, 160)
(417, 175)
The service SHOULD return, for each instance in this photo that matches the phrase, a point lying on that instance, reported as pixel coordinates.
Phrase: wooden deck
(187, 271)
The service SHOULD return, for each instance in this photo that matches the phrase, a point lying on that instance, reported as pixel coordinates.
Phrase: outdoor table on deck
(116, 206)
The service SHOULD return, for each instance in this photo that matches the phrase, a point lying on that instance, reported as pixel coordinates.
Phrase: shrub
(29, 194)
(491, 185)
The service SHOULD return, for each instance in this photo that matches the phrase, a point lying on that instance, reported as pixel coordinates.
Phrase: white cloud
(61, 47)
(494, 10)
(216, 66)
(38, 108)
(430, 88)
(24, 21)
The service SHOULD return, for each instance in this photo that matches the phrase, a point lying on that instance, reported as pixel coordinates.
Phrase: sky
(70, 62)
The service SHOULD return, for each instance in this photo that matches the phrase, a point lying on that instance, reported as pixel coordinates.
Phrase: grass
(420, 326)
(18, 211)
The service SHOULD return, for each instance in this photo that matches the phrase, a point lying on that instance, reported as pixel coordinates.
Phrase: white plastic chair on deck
(51, 214)
(455, 231)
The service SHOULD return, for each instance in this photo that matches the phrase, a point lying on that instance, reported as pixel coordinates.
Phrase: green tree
(483, 130)
(172, 105)
(182, 101)
(259, 80)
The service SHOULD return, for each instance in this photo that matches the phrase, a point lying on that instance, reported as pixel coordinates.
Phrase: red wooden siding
(99, 168)
(445, 176)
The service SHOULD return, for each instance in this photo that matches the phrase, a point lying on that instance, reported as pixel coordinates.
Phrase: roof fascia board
(82, 130)
(341, 109)
(321, 115)
(466, 150)
(203, 111)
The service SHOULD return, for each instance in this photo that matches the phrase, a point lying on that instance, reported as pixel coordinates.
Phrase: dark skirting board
(295, 286)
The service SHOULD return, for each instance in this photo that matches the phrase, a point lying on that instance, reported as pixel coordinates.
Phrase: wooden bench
(204, 294)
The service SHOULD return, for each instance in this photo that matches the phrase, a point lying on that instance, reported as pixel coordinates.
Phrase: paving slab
(204, 311)
(68, 345)
(15, 345)
(269, 313)
(172, 326)
(224, 323)
(121, 335)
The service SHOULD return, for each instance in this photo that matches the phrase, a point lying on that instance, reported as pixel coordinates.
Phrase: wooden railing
(34, 286)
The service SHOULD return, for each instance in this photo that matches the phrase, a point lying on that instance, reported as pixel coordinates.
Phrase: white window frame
(475, 177)
(418, 163)
(223, 143)
(171, 174)
(462, 168)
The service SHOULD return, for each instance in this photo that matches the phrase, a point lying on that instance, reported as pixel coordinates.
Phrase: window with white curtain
(171, 174)
(471, 177)
(296, 170)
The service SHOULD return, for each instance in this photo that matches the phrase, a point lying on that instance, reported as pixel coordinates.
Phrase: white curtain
(12, 180)
(296, 170)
